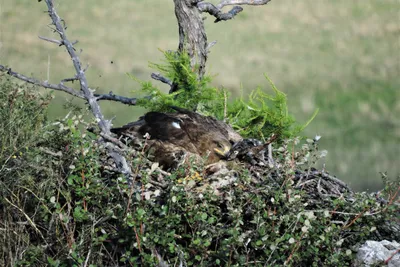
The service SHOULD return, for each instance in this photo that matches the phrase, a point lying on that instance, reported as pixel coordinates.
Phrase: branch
(80, 75)
(112, 97)
(159, 77)
(61, 87)
(51, 40)
(45, 84)
(103, 124)
(217, 13)
(242, 2)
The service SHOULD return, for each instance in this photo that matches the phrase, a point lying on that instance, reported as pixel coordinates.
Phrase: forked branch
(217, 13)
(85, 92)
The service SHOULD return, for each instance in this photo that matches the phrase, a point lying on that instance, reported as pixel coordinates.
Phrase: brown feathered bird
(175, 136)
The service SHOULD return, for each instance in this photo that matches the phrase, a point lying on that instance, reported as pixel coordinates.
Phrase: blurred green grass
(340, 56)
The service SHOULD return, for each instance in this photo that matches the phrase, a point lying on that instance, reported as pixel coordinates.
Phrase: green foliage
(258, 117)
(190, 93)
(22, 113)
(263, 115)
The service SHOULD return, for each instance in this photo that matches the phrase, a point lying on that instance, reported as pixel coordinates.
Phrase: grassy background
(340, 56)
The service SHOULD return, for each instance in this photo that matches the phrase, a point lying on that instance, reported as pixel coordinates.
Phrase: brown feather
(181, 133)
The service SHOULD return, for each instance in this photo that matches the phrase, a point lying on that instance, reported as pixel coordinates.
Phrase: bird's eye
(218, 144)
(235, 152)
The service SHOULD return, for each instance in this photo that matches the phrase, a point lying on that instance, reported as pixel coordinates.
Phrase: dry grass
(341, 56)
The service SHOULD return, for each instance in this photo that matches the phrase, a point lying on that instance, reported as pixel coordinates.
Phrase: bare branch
(69, 80)
(103, 124)
(45, 84)
(217, 13)
(51, 40)
(242, 2)
(210, 45)
(112, 97)
(159, 77)
(61, 87)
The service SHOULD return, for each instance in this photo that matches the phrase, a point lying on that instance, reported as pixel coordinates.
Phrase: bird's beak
(223, 152)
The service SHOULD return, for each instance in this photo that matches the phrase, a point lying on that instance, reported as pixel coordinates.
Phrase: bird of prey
(174, 136)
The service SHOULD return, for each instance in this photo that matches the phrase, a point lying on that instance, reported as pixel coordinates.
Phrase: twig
(121, 99)
(355, 219)
(60, 43)
(27, 217)
(69, 80)
(87, 258)
(210, 45)
(159, 77)
(113, 140)
(394, 254)
(296, 247)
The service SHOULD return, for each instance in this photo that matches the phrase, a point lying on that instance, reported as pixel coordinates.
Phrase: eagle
(171, 138)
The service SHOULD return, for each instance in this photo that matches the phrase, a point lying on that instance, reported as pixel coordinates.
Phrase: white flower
(291, 240)
(339, 242)
(157, 193)
(310, 215)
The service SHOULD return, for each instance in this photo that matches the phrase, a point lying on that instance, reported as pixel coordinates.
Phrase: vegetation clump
(260, 116)
(63, 204)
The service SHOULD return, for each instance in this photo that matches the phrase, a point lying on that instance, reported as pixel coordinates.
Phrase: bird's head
(222, 148)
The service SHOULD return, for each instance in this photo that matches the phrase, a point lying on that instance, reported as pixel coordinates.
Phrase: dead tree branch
(87, 93)
(217, 13)
(51, 40)
(104, 125)
(61, 87)
(44, 84)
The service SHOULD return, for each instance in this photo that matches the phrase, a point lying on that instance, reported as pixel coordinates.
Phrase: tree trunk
(192, 35)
